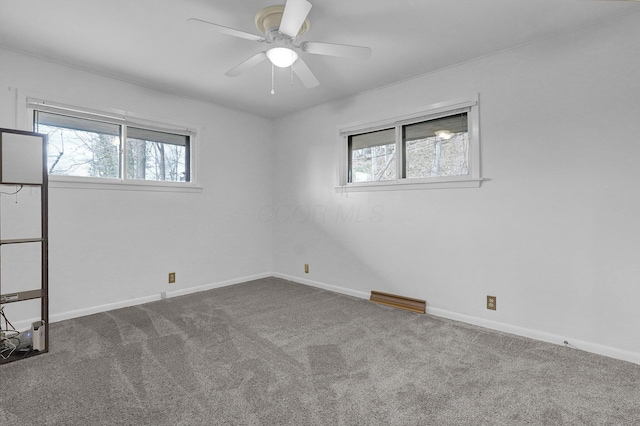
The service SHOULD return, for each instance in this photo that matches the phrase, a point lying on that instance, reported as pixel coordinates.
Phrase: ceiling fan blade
(295, 12)
(224, 30)
(330, 49)
(246, 65)
(304, 74)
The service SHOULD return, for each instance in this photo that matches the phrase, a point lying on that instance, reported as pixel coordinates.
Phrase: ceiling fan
(281, 26)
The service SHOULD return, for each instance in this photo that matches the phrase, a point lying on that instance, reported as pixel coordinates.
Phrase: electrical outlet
(172, 277)
(491, 302)
(306, 268)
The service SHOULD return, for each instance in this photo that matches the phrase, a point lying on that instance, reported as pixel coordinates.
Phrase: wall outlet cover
(491, 302)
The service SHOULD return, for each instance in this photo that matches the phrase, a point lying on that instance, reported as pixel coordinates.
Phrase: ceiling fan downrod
(273, 67)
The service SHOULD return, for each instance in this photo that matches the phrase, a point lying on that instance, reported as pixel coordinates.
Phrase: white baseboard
(493, 325)
(101, 308)
(539, 335)
(219, 284)
(334, 288)
(24, 325)
(139, 301)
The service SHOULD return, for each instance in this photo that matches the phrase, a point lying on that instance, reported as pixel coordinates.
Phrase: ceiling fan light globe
(282, 57)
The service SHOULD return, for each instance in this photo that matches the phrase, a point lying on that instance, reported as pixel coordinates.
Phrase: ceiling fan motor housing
(268, 20)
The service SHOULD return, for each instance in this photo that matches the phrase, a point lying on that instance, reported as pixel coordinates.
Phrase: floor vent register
(402, 302)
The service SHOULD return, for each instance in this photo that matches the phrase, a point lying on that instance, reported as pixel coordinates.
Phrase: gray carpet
(272, 352)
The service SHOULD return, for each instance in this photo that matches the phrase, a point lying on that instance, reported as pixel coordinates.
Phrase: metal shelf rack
(23, 164)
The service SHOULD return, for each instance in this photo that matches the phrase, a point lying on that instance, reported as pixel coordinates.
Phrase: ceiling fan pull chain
(273, 92)
(291, 75)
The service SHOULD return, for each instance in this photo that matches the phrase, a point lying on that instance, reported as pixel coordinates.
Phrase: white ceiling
(149, 42)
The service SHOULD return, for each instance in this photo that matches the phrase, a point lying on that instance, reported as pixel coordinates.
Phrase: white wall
(554, 232)
(115, 247)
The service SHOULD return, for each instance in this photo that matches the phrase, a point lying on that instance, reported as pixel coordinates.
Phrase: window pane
(153, 155)
(429, 155)
(80, 147)
(372, 156)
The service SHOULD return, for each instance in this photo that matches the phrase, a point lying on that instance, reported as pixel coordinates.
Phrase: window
(157, 155)
(79, 147)
(435, 148)
(87, 144)
(371, 154)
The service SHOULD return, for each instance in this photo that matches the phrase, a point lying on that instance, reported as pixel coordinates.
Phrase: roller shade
(75, 123)
(122, 118)
(426, 129)
(156, 136)
(377, 138)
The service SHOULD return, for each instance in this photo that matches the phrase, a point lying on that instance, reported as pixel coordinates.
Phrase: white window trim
(27, 103)
(472, 180)
(81, 182)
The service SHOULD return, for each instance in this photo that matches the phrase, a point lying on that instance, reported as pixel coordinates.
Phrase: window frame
(124, 119)
(470, 105)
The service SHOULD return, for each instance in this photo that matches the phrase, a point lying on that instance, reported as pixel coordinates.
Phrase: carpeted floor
(272, 352)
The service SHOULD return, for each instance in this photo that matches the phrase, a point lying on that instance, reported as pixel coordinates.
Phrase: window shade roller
(156, 136)
(426, 129)
(74, 123)
(377, 138)
(120, 118)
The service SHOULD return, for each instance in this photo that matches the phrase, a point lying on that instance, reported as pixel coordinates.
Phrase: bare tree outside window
(373, 163)
(434, 148)
(151, 160)
(81, 153)
(372, 156)
(436, 157)
(91, 148)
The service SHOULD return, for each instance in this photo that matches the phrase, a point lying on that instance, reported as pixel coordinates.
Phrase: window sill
(70, 182)
(401, 185)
